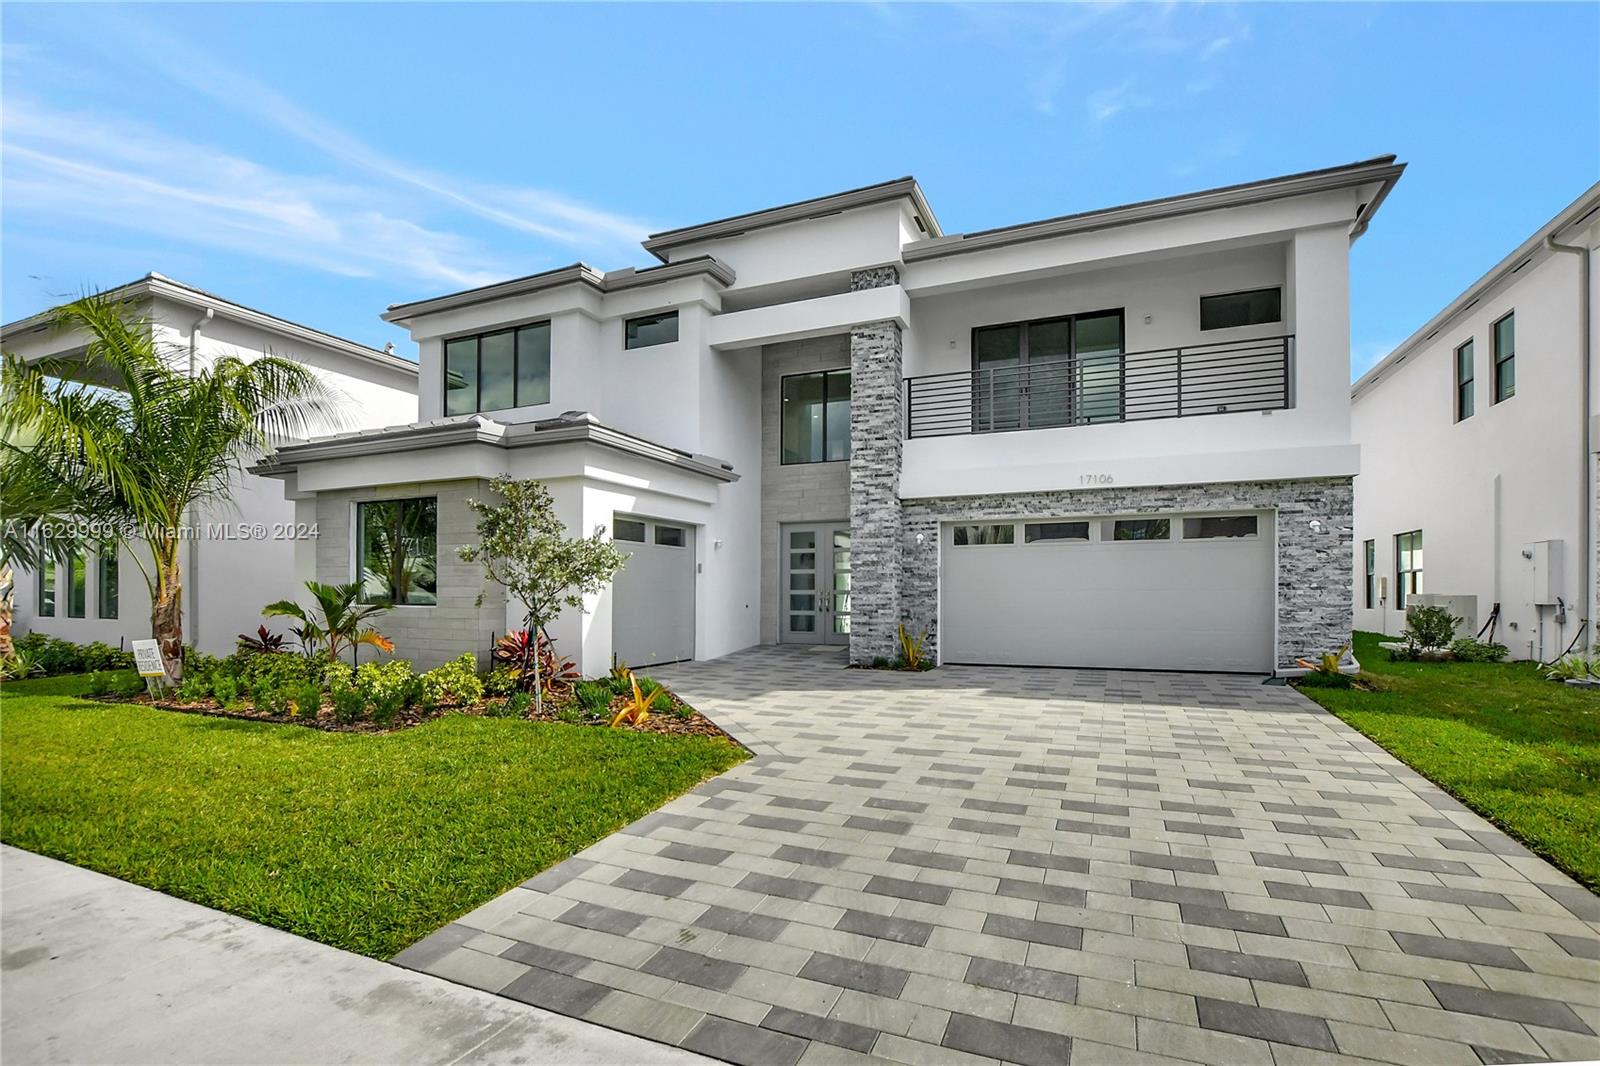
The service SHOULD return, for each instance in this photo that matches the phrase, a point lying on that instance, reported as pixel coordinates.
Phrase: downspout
(1585, 345)
(192, 578)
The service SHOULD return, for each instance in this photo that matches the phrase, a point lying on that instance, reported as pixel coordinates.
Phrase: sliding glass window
(497, 371)
(1049, 372)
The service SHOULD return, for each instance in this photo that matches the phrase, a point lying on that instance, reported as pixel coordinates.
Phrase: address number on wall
(1094, 479)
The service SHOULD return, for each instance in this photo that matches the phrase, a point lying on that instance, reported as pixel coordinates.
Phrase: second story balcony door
(1052, 372)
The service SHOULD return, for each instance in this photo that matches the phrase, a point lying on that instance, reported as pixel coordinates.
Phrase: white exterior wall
(1483, 488)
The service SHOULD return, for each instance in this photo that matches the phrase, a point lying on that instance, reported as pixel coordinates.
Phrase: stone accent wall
(876, 423)
(801, 492)
(428, 636)
(874, 278)
(1314, 577)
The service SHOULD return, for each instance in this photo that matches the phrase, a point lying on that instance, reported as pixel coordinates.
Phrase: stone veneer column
(876, 423)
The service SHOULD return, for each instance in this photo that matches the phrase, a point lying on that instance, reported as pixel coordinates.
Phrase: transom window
(497, 371)
(969, 536)
(1464, 381)
(1035, 532)
(397, 549)
(1220, 527)
(1370, 550)
(1251, 308)
(628, 529)
(1049, 372)
(816, 417)
(1141, 529)
(1407, 566)
(1505, 358)
(648, 330)
(671, 536)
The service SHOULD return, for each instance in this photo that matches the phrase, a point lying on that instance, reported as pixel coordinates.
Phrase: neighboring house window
(1141, 529)
(968, 536)
(497, 371)
(816, 417)
(77, 587)
(1464, 381)
(1050, 372)
(1407, 566)
(1505, 358)
(1253, 308)
(106, 603)
(47, 589)
(397, 545)
(647, 330)
(1370, 551)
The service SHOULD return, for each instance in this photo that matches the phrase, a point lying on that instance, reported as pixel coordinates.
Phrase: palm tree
(335, 622)
(137, 442)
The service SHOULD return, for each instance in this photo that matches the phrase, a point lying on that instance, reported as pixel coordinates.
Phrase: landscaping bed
(366, 842)
(1518, 748)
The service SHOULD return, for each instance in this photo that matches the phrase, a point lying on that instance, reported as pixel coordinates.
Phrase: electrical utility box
(1544, 572)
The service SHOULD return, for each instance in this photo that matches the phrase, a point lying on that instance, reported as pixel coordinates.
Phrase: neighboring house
(1113, 439)
(240, 556)
(1479, 435)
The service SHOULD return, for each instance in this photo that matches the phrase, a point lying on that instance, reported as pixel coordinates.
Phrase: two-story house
(1112, 439)
(1480, 432)
(239, 555)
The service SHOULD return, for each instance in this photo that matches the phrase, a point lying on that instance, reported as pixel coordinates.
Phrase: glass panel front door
(815, 591)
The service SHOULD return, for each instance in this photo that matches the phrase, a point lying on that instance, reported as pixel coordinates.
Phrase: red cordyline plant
(515, 653)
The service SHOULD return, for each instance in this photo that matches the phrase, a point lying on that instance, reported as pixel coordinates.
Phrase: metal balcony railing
(1091, 388)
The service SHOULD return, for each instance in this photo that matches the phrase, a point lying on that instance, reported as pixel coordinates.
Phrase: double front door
(815, 607)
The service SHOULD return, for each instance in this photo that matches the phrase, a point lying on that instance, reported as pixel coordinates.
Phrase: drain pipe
(1585, 347)
(191, 580)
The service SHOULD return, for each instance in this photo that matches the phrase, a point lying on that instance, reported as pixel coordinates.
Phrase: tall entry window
(77, 587)
(497, 371)
(397, 544)
(1370, 550)
(1407, 566)
(106, 599)
(1049, 372)
(47, 589)
(816, 417)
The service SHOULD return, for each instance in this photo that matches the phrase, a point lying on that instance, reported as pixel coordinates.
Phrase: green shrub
(349, 701)
(515, 705)
(127, 685)
(1430, 627)
(98, 655)
(194, 688)
(388, 687)
(196, 662)
(100, 684)
(593, 697)
(456, 682)
(225, 687)
(274, 699)
(1324, 679)
(499, 682)
(1468, 650)
(306, 698)
(57, 656)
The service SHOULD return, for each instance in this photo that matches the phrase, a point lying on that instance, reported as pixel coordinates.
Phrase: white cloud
(1105, 104)
(120, 174)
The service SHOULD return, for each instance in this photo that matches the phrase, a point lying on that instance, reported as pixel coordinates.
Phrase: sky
(321, 162)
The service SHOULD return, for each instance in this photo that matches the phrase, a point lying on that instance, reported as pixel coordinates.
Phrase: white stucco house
(1112, 439)
(239, 557)
(1479, 433)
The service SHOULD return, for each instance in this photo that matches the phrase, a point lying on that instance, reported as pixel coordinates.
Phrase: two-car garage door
(1152, 592)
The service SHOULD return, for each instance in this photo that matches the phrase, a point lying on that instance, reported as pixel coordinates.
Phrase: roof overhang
(658, 244)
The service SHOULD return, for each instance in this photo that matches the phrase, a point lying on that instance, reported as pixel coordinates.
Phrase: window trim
(827, 374)
(1466, 386)
(101, 559)
(1500, 361)
(1369, 549)
(357, 545)
(1399, 574)
(1240, 292)
(659, 316)
(1070, 360)
(516, 360)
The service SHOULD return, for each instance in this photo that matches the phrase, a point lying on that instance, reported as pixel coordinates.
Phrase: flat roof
(154, 284)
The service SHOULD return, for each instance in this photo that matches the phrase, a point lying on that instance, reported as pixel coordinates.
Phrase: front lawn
(1518, 749)
(364, 842)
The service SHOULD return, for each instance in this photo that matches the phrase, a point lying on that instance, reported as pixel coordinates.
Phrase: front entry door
(816, 583)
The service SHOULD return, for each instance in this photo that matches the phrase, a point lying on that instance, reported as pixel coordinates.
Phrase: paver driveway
(1030, 865)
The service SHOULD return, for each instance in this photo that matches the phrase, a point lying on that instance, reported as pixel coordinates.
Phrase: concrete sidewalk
(98, 970)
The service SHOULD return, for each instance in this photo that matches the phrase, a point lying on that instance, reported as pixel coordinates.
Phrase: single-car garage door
(1150, 592)
(652, 596)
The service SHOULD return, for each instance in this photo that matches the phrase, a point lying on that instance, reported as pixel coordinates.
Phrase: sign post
(147, 659)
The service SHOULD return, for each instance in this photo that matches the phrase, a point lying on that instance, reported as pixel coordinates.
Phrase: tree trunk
(166, 610)
(8, 586)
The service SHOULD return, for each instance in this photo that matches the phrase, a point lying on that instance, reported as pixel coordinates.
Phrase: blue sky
(322, 162)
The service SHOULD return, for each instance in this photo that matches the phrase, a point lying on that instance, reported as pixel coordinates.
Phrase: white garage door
(1150, 592)
(652, 597)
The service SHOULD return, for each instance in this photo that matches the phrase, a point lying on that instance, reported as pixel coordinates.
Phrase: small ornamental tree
(524, 547)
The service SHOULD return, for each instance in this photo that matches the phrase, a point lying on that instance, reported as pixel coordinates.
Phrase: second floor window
(497, 371)
(1505, 358)
(1051, 372)
(650, 329)
(397, 550)
(1464, 381)
(1407, 566)
(1253, 308)
(816, 417)
(109, 586)
(1370, 550)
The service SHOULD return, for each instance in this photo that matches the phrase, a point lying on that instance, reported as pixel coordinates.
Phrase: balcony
(1097, 388)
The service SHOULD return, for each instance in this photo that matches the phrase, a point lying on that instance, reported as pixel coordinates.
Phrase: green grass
(364, 842)
(1522, 751)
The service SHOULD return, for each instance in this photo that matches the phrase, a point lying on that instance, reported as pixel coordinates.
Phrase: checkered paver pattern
(1044, 866)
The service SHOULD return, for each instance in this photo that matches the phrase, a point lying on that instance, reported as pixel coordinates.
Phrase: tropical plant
(388, 687)
(1326, 663)
(455, 683)
(192, 689)
(98, 655)
(592, 697)
(225, 689)
(913, 649)
(265, 642)
(306, 700)
(636, 711)
(523, 547)
(1468, 650)
(334, 622)
(553, 671)
(20, 664)
(136, 438)
(1571, 668)
(1430, 627)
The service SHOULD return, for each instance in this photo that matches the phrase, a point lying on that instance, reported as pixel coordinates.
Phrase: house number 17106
(1094, 479)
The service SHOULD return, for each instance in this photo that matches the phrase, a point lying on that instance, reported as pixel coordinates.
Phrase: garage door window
(1045, 532)
(970, 536)
(1141, 529)
(671, 536)
(628, 529)
(1216, 527)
